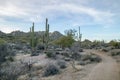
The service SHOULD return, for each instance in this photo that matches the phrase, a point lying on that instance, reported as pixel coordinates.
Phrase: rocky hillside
(1, 33)
(53, 35)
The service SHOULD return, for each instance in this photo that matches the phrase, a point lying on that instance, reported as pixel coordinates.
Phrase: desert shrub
(65, 41)
(85, 57)
(80, 50)
(35, 53)
(51, 54)
(105, 50)
(115, 53)
(5, 51)
(51, 69)
(95, 58)
(10, 58)
(115, 43)
(91, 57)
(82, 63)
(76, 56)
(2, 41)
(66, 54)
(87, 44)
(61, 64)
(11, 71)
(40, 47)
(18, 46)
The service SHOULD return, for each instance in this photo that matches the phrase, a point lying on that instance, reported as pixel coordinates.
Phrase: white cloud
(8, 29)
(30, 10)
(12, 11)
(38, 10)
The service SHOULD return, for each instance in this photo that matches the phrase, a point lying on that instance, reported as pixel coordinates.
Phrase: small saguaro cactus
(33, 39)
(46, 34)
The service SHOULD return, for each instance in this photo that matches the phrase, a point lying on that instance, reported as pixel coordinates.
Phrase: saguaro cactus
(79, 37)
(33, 39)
(46, 34)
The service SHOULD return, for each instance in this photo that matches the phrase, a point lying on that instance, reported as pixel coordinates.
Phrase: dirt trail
(106, 70)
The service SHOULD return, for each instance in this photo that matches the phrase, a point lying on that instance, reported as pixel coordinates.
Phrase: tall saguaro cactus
(46, 34)
(79, 37)
(33, 39)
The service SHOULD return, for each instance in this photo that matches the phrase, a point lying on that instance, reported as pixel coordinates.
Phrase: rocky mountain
(2, 34)
(18, 33)
(53, 35)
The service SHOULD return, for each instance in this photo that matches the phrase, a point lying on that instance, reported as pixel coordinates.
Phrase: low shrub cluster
(51, 69)
(89, 58)
(61, 64)
(11, 71)
(115, 53)
(6, 53)
(51, 54)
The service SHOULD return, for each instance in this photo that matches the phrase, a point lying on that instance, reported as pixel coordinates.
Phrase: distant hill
(18, 33)
(53, 35)
(2, 34)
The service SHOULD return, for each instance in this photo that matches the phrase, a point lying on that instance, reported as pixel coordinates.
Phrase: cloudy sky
(99, 19)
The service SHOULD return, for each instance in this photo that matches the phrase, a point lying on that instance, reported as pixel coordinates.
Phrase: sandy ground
(71, 74)
(108, 69)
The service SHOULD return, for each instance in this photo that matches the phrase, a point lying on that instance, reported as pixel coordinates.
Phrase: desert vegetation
(38, 55)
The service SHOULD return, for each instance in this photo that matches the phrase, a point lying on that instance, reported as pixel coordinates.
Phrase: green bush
(51, 54)
(65, 41)
(2, 41)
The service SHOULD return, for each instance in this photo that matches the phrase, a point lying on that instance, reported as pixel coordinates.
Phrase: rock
(37, 66)
(78, 67)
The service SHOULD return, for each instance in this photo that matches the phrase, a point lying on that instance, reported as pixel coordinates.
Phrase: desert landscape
(59, 40)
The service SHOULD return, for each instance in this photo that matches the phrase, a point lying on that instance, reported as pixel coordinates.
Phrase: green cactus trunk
(33, 39)
(46, 34)
(79, 37)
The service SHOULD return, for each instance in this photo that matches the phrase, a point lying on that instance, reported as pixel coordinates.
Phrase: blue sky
(99, 19)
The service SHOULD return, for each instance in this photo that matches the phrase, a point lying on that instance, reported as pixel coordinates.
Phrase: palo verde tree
(115, 43)
(67, 40)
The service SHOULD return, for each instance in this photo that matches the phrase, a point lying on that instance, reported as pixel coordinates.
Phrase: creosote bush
(51, 69)
(11, 71)
(5, 51)
(51, 54)
(115, 53)
(61, 64)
